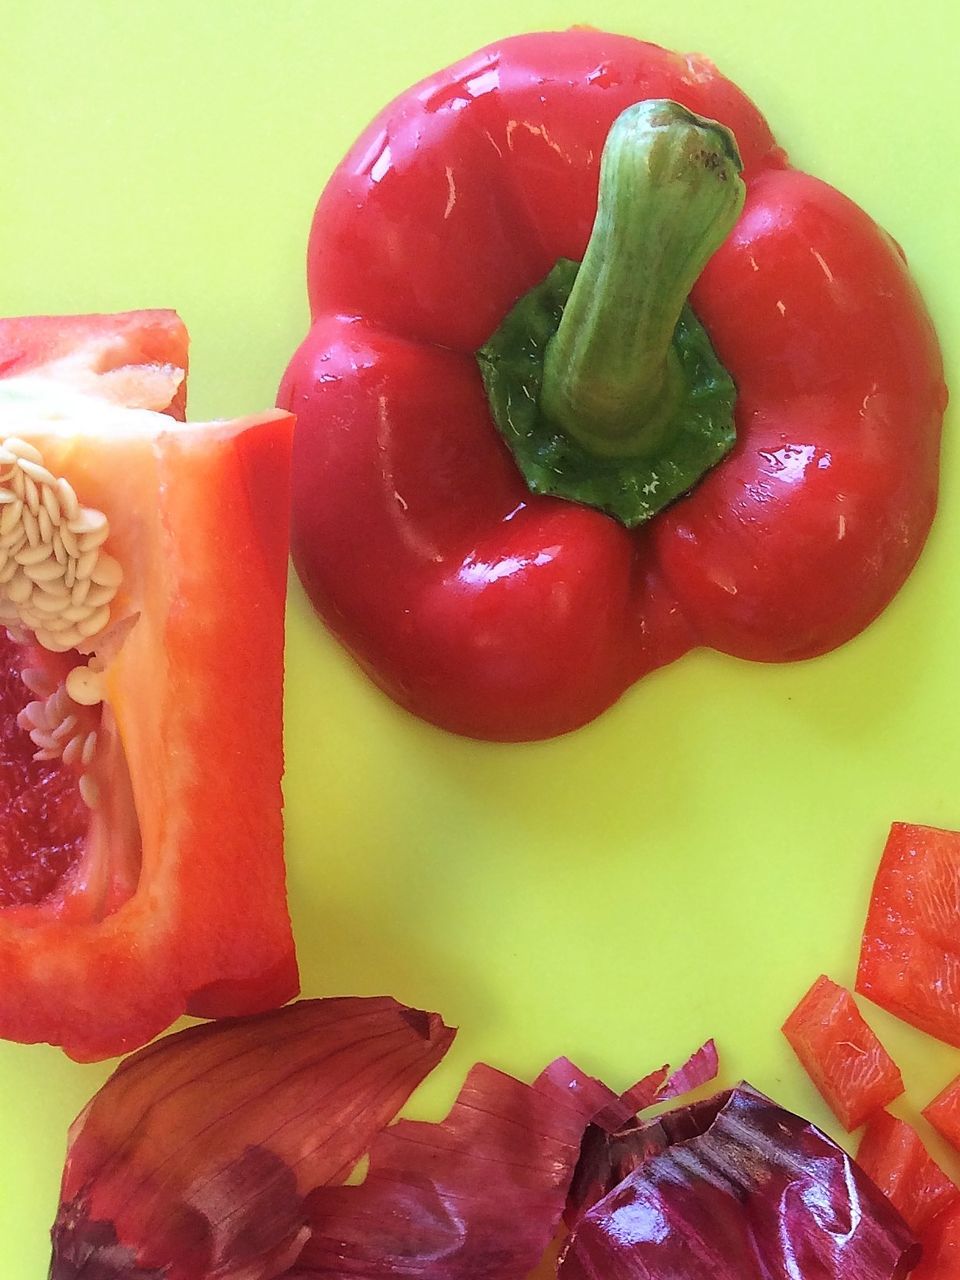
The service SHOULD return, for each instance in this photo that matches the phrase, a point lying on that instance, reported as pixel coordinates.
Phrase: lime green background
(684, 867)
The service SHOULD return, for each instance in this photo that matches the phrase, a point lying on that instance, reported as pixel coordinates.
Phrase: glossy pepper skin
(501, 615)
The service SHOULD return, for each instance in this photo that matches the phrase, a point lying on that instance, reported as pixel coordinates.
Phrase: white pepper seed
(44, 571)
(20, 449)
(71, 545)
(87, 520)
(71, 637)
(19, 589)
(55, 587)
(84, 686)
(107, 572)
(13, 540)
(96, 622)
(50, 504)
(96, 538)
(10, 517)
(36, 471)
(89, 791)
(36, 680)
(32, 555)
(31, 527)
(86, 564)
(68, 498)
(65, 728)
(31, 495)
(45, 603)
(54, 622)
(57, 643)
(98, 596)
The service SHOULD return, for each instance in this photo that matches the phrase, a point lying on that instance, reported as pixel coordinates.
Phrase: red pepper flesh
(842, 1054)
(911, 939)
(501, 615)
(941, 1248)
(892, 1154)
(166, 896)
(944, 1113)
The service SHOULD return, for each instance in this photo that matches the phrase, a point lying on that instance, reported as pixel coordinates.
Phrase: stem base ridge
(632, 487)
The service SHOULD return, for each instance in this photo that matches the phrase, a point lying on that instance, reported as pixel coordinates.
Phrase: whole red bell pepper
(483, 601)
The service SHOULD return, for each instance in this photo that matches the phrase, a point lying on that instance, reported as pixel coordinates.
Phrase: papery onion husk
(733, 1186)
(195, 1157)
(475, 1197)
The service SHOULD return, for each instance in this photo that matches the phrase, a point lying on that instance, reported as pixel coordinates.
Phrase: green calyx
(601, 379)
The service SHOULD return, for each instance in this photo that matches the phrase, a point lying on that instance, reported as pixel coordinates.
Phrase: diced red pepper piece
(841, 1054)
(944, 1113)
(910, 957)
(941, 1248)
(893, 1155)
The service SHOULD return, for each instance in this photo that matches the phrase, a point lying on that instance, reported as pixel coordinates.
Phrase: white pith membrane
(56, 586)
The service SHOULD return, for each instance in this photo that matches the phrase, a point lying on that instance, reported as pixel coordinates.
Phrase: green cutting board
(688, 864)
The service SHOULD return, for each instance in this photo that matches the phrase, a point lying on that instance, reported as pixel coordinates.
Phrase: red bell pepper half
(842, 1054)
(911, 941)
(494, 443)
(141, 839)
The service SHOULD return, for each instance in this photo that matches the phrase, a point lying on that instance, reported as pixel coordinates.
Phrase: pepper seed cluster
(61, 728)
(57, 583)
(55, 580)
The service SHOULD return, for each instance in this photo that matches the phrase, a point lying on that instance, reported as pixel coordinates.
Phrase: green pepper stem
(670, 192)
